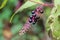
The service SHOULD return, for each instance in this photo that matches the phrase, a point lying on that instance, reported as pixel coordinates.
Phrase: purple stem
(25, 28)
(27, 25)
(19, 4)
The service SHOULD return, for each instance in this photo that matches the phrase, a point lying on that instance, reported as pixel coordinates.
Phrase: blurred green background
(21, 15)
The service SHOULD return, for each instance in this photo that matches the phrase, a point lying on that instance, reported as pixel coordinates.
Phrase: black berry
(30, 21)
(31, 17)
(34, 15)
(33, 22)
(33, 12)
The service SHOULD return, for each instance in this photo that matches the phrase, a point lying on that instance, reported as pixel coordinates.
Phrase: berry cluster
(33, 19)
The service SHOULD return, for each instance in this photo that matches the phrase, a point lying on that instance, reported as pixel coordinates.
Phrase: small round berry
(31, 17)
(34, 15)
(30, 21)
(35, 20)
(33, 23)
(33, 12)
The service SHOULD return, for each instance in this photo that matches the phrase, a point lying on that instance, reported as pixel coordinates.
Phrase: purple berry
(30, 21)
(33, 12)
(31, 17)
(34, 15)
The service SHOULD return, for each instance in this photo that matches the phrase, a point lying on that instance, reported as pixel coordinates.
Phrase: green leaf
(57, 2)
(53, 23)
(26, 5)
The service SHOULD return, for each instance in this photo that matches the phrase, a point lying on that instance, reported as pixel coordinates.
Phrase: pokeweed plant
(23, 6)
(22, 26)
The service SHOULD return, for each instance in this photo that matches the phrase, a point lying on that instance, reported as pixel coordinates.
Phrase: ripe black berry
(33, 12)
(34, 15)
(30, 21)
(31, 17)
(33, 22)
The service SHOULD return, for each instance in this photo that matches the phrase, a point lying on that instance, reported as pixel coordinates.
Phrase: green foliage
(19, 17)
(53, 21)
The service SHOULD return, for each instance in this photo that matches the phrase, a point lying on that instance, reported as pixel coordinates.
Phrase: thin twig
(44, 4)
